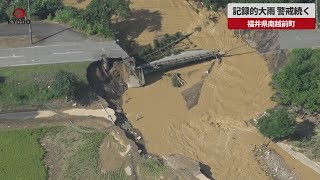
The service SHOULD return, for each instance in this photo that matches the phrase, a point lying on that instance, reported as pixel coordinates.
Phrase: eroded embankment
(215, 131)
(104, 83)
(109, 85)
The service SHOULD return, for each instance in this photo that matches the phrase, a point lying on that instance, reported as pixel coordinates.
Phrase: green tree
(65, 84)
(3, 14)
(298, 84)
(43, 8)
(103, 10)
(277, 123)
(39, 9)
(99, 13)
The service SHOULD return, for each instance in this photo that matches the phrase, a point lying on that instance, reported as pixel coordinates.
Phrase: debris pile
(273, 164)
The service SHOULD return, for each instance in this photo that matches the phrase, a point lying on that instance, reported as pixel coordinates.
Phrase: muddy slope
(267, 44)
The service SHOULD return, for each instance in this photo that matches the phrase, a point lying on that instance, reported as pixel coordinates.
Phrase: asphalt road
(56, 44)
(59, 53)
(47, 33)
(299, 39)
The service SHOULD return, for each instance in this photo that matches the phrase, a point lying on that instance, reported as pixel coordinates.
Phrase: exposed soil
(111, 160)
(107, 84)
(215, 130)
(54, 159)
(268, 45)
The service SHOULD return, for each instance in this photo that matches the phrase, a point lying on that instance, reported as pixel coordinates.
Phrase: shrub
(43, 8)
(158, 43)
(40, 9)
(277, 123)
(298, 83)
(67, 14)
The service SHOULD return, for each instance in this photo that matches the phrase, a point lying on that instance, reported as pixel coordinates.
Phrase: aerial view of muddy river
(215, 131)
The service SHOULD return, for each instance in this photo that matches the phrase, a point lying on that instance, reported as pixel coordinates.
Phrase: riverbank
(214, 131)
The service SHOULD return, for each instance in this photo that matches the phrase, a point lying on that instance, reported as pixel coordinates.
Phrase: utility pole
(317, 15)
(30, 28)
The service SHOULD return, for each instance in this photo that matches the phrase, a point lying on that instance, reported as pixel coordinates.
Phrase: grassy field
(82, 157)
(21, 155)
(83, 160)
(70, 153)
(30, 85)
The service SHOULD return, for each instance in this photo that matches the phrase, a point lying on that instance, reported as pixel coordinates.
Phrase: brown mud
(215, 131)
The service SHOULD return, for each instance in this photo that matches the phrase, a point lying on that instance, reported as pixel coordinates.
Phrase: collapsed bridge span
(133, 75)
(182, 59)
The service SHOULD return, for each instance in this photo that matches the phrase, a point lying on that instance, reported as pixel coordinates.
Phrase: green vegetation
(35, 85)
(158, 43)
(21, 154)
(82, 157)
(96, 18)
(83, 163)
(40, 9)
(277, 123)
(65, 84)
(151, 168)
(3, 14)
(298, 84)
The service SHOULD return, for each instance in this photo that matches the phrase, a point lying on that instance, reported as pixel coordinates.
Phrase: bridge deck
(178, 60)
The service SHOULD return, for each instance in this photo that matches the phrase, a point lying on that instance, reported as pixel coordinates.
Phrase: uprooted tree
(277, 123)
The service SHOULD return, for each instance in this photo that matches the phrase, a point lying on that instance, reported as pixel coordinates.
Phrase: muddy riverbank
(214, 131)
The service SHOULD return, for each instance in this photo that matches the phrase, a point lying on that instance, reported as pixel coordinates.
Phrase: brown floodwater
(215, 131)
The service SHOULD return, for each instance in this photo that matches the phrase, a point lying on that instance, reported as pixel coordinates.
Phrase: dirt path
(214, 131)
(301, 157)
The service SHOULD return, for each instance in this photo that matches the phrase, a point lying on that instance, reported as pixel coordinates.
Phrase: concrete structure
(134, 76)
(184, 58)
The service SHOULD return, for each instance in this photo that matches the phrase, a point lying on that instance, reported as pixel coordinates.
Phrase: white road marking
(56, 45)
(46, 63)
(70, 52)
(11, 57)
